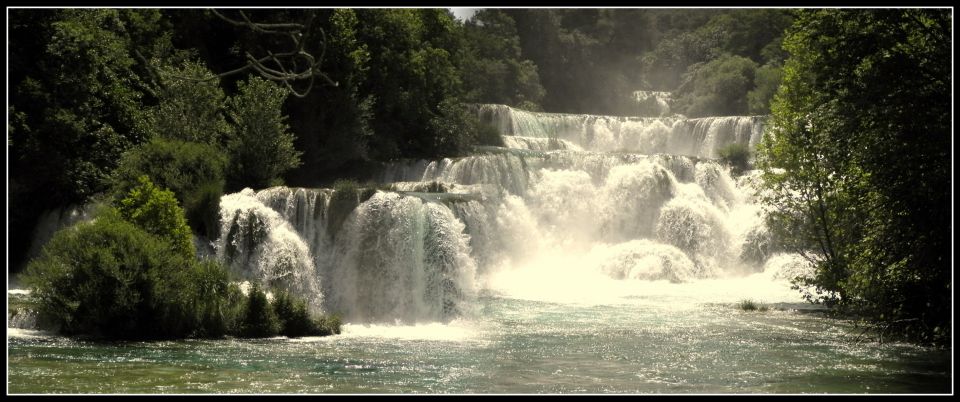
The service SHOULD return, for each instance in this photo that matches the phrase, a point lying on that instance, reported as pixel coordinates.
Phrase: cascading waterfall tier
(394, 257)
(701, 137)
(258, 243)
(401, 258)
(418, 249)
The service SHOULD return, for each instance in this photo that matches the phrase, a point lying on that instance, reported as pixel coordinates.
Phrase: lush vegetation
(132, 273)
(857, 163)
(172, 94)
(591, 60)
(157, 212)
(262, 149)
(737, 156)
(109, 278)
(193, 171)
(160, 112)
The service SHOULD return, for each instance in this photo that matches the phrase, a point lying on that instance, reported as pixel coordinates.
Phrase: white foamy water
(454, 331)
(552, 266)
(554, 216)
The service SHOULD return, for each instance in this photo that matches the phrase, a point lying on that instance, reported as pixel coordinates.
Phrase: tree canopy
(857, 162)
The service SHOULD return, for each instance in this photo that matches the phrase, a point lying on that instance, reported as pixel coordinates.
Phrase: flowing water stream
(590, 254)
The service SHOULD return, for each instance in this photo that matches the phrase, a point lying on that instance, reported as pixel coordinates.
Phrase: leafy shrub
(111, 279)
(451, 131)
(258, 319)
(193, 171)
(156, 211)
(750, 305)
(737, 156)
(293, 316)
(233, 309)
(328, 325)
(212, 295)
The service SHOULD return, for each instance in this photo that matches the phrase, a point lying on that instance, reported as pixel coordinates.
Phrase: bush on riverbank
(285, 315)
(258, 319)
(110, 279)
(131, 273)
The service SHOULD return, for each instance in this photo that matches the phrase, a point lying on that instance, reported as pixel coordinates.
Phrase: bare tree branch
(286, 67)
(259, 27)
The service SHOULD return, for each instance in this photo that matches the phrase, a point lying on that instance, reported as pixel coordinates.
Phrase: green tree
(414, 56)
(156, 211)
(717, 88)
(191, 105)
(690, 37)
(109, 278)
(857, 161)
(664, 66)
(193, 171)
(584, 58)
(75, 92)
(494, 70)
(333, 124)
(262, 149)
(766, 82)
(258, 318)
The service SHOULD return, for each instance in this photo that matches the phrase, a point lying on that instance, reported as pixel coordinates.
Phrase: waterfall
(632, 199)
(401, 258)
(677, 135)
(259, 243)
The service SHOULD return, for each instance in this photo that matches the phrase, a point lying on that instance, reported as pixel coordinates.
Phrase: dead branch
(288, 67)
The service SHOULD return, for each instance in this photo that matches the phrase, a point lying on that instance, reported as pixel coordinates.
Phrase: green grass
(750, 305)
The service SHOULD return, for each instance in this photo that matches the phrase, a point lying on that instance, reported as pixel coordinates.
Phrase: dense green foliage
(295, 320)
(193, 171)
(285, 315)
(718, 87)
(191, 106)
(494, 70)
(737, 156)
(258, 319)
(262, 149)
(157, 212)
(111, 279)
(857, 163)
(74, 101)
(767, 80)
(590, 60)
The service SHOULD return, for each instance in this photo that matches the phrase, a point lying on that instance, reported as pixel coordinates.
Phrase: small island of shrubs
(132, 274)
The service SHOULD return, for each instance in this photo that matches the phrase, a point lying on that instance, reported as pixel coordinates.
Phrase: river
(591, 254)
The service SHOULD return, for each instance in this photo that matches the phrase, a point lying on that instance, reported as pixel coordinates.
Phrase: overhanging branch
(294, 64)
